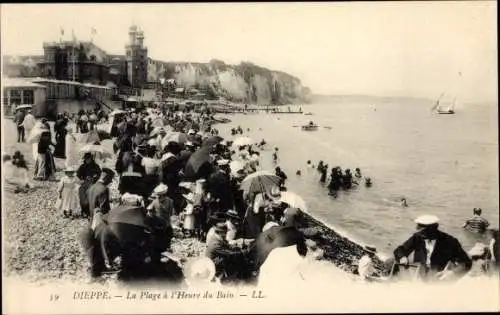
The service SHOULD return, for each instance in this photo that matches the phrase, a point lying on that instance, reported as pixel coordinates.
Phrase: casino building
(68, 67)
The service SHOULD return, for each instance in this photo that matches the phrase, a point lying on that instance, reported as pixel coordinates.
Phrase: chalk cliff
(245, 82)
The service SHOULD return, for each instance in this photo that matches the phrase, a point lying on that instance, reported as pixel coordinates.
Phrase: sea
(444, 165)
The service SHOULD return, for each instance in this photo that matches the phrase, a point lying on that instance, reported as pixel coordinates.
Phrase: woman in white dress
(72, 158)
(68, 192)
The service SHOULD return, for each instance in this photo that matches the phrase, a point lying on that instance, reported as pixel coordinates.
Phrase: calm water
(442, 164)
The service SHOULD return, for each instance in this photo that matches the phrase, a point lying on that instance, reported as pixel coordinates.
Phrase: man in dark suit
(98, 194)
(19, 119)
(100, 245)
(219, 186)
(434, 250)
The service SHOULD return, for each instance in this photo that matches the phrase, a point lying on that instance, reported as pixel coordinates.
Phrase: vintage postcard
(250, 157)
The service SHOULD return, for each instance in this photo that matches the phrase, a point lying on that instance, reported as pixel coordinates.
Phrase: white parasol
(35, 134)
(117, 112)
(96, 149)
(242, 141)
(236, 166)
(260, 181)
(24, 107)
(293, 200)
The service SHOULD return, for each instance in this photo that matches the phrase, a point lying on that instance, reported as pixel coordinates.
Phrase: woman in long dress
(263, 203)
(60, 133)
(45, 167)
(38, 128)
(72, 158)
(88, 173)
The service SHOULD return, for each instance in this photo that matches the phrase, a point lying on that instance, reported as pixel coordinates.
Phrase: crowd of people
(172, 163)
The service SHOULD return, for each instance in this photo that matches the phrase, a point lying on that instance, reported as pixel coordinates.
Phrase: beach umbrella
(117, 112)
(236, 166)
(212, 141)
(178, 137)
(241, 141)
(260, 181)
(24, 107)
(128, 223)
(158, 122)
(293, 200)
(36, 133)
(127, 214)
(156, 130)
(276, 237)
(95, 136)
(198, 165)
(96, 149)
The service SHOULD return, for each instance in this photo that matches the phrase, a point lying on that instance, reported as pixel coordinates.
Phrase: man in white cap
(160, 211)
(434, 250)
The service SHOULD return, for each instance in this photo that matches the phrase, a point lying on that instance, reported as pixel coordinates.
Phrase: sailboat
(441, 108)
(450, 109)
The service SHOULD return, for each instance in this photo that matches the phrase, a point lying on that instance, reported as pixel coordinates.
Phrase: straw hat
(222, 162)
(70, 169)
(191, 132)
(189, 197)
(131, 198)
(186, 185)
(232, 214)
(218, 217)
(199, 270)
(161, 189)
(275, 192)
(427, 219)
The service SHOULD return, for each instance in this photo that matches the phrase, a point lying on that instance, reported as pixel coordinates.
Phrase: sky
(416, 49)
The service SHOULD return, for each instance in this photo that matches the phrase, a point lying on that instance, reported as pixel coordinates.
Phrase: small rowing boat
(310, 127)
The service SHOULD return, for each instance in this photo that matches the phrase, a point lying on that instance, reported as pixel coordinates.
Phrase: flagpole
(74, 58)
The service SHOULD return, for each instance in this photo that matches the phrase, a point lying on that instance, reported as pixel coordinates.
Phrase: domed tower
(137, 58)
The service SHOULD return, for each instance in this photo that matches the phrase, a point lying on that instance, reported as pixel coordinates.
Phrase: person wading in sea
(476, 224)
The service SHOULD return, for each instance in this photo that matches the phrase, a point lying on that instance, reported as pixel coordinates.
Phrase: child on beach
(16, 172)
(68, 193)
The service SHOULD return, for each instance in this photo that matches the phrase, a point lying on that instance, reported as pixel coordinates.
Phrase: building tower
(137, 58)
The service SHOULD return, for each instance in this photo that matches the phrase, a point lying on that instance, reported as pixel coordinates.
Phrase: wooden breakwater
(241, 109)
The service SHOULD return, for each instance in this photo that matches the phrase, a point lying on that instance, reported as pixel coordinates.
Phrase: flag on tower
(93, 31)
(73, 34)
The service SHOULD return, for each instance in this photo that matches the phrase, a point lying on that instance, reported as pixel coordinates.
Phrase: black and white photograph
(250, 157)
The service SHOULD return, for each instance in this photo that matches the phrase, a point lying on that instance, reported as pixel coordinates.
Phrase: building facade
(137, 58)
(86, 63)
(17, 91)
(75, 61)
